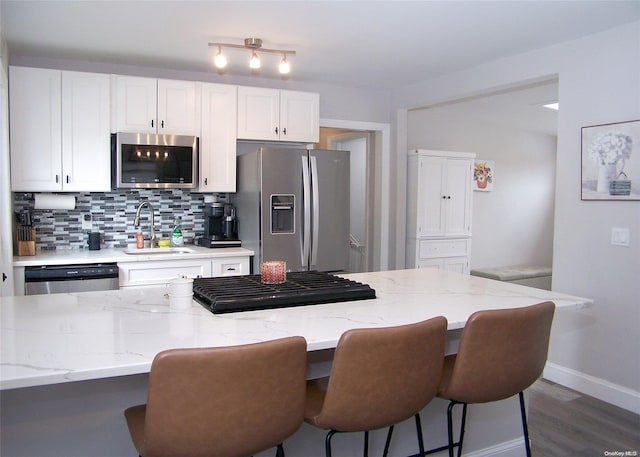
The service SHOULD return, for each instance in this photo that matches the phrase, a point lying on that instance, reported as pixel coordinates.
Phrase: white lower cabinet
(230, 266)
(451, 254)
(152, 273)
(456, 264)
(159, 272)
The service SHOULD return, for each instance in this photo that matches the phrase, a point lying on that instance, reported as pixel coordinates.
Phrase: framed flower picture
(483, 173)
(611, 161)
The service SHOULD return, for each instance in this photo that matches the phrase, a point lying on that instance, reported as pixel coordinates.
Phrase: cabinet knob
(276, 130)
(57, 179)
(151, 122)
(162, 124)
(206, 181)
(284, 131)
(68, 179)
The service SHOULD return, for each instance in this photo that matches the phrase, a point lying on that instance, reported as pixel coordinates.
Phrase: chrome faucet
(152, 229)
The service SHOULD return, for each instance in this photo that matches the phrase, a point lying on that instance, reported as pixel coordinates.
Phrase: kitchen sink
(158, 251)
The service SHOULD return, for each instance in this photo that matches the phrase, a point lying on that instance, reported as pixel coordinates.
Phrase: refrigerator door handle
(316, 211)
(306, 196)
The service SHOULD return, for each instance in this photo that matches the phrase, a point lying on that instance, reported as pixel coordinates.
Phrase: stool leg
(388, 442)
(419, 433)
(451, 445)
(525, 429)
(327, 442)
(450, 427)
(462, 428)
(280, 450)
(366, 444)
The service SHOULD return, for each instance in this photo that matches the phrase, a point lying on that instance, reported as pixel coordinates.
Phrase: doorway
(358, 144)
(513, 224)
(361, 191)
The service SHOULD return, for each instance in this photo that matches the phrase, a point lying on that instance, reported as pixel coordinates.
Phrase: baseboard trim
(601, 389)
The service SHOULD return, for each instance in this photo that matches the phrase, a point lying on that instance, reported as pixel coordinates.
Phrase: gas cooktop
(247, 293)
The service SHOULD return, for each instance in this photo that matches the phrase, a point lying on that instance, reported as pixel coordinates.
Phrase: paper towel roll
(54, 201)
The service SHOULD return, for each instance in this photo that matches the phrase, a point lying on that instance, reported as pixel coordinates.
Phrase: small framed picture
(611, 161)
(483, 175)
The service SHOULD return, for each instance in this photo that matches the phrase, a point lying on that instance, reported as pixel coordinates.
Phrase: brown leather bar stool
(501, 353)
(378, 379)
(221, 402)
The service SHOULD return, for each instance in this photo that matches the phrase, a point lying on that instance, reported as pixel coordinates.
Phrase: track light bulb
(220, 60)
(255, 61)
(284, 66)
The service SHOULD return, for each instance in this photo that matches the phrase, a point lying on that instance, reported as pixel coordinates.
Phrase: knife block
(27, 247)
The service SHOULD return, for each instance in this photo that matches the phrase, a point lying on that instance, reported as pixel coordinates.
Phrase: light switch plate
(87, 221)
(620, 236)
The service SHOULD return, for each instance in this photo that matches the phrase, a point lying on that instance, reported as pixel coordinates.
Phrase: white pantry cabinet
(59, 120)
(218, 138)
(278, 115)
(148, 105)
(439, 204)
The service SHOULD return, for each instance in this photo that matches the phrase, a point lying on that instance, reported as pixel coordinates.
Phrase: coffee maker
(220, 226)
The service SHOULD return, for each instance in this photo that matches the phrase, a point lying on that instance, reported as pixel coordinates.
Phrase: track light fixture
(255, 45)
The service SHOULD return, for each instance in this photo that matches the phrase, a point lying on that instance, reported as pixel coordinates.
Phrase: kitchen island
(72, 362)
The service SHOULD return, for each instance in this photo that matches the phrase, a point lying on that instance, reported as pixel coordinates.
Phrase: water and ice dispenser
(282, 213)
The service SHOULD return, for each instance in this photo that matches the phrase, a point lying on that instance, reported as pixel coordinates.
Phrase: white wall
(513, 224)
(596, 349)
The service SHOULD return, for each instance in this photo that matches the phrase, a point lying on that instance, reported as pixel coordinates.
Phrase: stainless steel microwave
(145, 160)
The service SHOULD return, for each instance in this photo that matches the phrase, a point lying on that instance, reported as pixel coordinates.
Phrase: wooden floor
(564, 423)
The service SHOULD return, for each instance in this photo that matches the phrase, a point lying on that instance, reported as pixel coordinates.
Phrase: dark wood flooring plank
(563, 422)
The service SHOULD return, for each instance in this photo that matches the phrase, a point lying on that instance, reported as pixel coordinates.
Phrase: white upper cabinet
(59, 130)
(147, 105)
(278, 115)
(218, 138)
(86, 140)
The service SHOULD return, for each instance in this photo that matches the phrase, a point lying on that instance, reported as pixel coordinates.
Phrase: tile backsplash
(113, 214)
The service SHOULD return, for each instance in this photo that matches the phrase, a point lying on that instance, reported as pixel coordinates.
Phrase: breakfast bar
(71, 363)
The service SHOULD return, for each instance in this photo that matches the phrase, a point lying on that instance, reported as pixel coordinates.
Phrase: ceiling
(381, 44)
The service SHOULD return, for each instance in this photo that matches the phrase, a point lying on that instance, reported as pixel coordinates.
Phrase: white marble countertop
(48, 339)
(78, 256)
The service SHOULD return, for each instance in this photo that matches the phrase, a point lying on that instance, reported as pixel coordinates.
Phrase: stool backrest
(225, 401)
(501, 353)
(382, 376)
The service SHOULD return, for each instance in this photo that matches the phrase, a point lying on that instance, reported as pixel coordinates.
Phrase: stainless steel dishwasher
(56, 279)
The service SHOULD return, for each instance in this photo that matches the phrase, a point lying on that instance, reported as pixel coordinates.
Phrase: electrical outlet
(620, 236)
(87, 221)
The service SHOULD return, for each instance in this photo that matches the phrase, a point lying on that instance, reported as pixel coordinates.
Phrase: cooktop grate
(246, 293)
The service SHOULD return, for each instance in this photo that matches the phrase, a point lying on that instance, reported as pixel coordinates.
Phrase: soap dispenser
(176, 236)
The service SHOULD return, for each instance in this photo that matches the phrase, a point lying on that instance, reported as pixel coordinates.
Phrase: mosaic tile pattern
(113, 214)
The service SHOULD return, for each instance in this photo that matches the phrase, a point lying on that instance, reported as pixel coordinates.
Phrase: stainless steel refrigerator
(293, 204)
